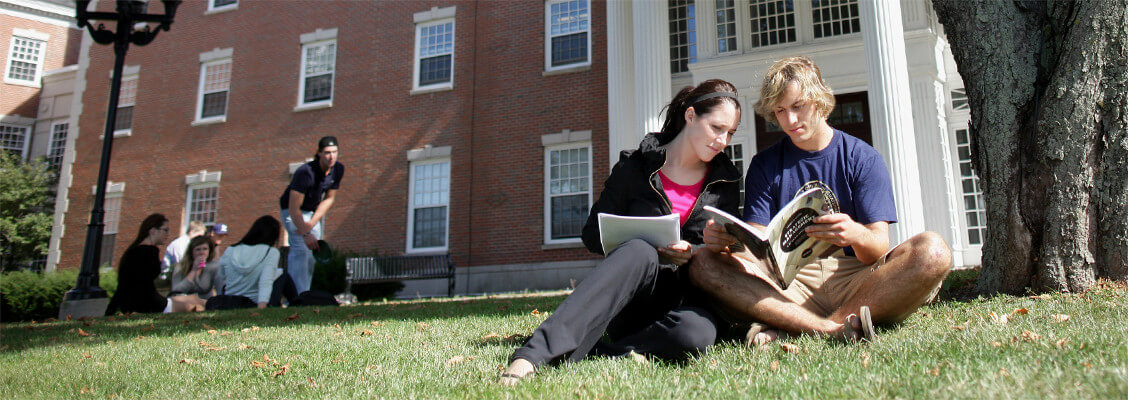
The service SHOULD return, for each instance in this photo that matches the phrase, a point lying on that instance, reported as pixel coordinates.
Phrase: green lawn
(1057, 346)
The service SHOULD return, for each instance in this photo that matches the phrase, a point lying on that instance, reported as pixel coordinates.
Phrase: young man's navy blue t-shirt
(852, 169)
(312, 181)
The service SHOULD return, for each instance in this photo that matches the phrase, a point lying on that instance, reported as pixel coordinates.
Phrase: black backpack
(314, 298)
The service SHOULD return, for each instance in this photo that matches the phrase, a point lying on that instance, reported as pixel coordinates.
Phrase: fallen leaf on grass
(492, 336)
(775, 365)
(354, 315)
(535, 312)
(958, 328)
(281, 371)
(206, 326)
(1086, 365)
(1022, 311)
(244, 346)
(148, 328)
(251, 329)
(1027, 336)
(258, 364)
(205, 344)
(269, 360)
(367, 332)
(1061, 343)
(139, 337)
(790, 348)
(996, 344)
(216, 348)
(292, 317)
(311, 382)
(422, 326)
(377, 323)
(187, 361)
(85, 390)
(86, 355)
(212, 331)
(317, 311)
(82, 332)
(638, 358)
(865, 359)
(1060, 317)
(999, 319)
(1041, 297)
(255, 314)
(935, 371)
(1003, 372)
(455, 360)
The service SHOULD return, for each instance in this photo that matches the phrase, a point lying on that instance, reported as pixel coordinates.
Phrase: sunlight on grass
(1056, 346)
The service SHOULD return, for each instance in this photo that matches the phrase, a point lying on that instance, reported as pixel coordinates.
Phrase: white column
(651, 64)
(891, 111)
(621, 128)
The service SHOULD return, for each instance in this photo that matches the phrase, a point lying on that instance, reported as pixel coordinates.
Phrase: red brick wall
(493, 119)
(61, 50)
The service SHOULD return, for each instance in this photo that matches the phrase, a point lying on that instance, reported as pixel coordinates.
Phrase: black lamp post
(129, 14)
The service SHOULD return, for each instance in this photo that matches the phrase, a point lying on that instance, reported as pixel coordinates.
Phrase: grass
(455, 348)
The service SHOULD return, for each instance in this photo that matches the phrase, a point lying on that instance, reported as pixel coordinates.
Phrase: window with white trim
(13, 139)
(683, 34)
(58, 146)
(218, 5)
(771, 22)
(567, 172)
(428, 226)
(319, 64)
(568, 38)
(203, 203)
(127, 99)
(735, 152)
(215, 83)
(112, 206)
(434, 54)
(835, 17)
(959, 100)
(975, 208)
(25, 61)
(726, 25)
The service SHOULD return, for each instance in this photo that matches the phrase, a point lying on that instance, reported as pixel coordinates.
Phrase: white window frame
(211, 59)
(548, 39)
(112, 218)
(972, 253)
(804, 30)
(53, 146)
(202, 180)
(424, 157)
(320, 37)
(212, 8)
(27, 35)
(127, 79)
(548, 149)
(26, 137)
(419, 26)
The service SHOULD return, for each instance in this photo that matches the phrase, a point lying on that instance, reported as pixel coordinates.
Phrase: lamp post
(87, 298)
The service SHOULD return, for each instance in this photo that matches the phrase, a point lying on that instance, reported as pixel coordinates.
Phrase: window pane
(24, 59)
(204, 204)
(318, 88)
(320, 58)
(12, 138)
(683, 35)
(215, 104)
(569, 17)
(726, 25)
(217, 77)
(568, 215)
(569, 49)
(833, 18)
(127, 96)
(58, 146)
(221, 3)
(124, 118)
(434, 70)
(106, 258)
(429, 227)
(771, 22)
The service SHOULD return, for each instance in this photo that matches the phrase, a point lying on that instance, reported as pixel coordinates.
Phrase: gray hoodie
(249, 271)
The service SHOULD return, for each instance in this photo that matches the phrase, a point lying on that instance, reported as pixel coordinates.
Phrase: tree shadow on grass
(121, 328)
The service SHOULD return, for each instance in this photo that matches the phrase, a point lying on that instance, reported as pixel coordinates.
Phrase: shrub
(26, 295)
(330, 277)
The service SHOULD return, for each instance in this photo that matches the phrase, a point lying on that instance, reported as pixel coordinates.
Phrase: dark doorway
(850, 115)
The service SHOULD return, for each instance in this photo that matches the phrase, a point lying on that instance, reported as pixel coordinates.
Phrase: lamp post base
(83, 308)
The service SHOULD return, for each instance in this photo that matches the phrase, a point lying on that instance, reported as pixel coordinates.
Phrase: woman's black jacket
(635, 189)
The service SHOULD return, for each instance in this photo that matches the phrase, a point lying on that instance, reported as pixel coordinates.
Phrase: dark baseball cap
(326, 141)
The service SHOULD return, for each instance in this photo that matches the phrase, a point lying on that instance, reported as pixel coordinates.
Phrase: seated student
(248, 267)
(862, 283)
(139, 266)
(195, 277)
(636, 293)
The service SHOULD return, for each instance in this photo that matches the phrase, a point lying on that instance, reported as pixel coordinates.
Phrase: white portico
(909, 105)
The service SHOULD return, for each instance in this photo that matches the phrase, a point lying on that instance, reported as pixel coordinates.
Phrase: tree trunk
(1047, 84)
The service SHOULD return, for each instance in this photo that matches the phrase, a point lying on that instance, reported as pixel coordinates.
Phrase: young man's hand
(837, 229)
(716, 238)
(310, 241)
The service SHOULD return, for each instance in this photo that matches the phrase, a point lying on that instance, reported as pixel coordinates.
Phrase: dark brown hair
(675, 111)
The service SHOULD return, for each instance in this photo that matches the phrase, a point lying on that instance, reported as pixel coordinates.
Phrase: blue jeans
(299, 264)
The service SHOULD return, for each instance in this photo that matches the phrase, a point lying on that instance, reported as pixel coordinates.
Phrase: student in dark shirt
(307, 198)
(139, 266)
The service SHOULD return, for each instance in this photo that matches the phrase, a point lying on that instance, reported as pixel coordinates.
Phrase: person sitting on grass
(140, 265)
(249, 266)
(195, 277)
(864, 281)
(636, 293)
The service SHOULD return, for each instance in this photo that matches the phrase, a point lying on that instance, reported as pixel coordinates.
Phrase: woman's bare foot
(518, 369)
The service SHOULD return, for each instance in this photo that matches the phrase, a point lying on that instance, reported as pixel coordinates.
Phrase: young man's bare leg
(904, 283)
(747, 297)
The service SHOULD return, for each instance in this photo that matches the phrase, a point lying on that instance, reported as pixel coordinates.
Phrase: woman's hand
(678, 253)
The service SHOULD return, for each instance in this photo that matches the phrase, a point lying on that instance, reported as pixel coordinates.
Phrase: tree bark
(1047, 86)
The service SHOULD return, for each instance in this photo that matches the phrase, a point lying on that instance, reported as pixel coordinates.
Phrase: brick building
(446, 112)
(481, 128)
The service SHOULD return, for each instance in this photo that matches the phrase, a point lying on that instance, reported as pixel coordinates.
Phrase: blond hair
(801, 71)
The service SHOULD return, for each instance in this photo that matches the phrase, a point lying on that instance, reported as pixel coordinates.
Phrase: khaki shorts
(826, 284)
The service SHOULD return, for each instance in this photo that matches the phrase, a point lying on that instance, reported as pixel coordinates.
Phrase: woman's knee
(694, 331)
(633, 254)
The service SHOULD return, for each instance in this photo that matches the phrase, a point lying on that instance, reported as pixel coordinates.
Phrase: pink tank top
(682, 197)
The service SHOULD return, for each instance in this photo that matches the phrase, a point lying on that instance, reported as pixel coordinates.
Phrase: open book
(785, 245)
(659, 231)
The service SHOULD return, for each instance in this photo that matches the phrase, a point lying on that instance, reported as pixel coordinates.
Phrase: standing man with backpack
(307, 198)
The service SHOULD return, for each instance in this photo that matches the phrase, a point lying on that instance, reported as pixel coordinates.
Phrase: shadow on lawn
(119, 328)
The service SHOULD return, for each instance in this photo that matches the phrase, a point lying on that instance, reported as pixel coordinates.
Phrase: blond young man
(843, 295)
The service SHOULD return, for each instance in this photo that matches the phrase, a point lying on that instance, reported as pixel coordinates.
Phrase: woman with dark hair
(139, 267)
(638, 295)
(249, 267)
(194, 279)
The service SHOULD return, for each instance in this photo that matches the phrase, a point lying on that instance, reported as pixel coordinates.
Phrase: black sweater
(635, 189)
(136, 291)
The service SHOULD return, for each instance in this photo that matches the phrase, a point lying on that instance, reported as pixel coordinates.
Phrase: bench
(398, 268)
